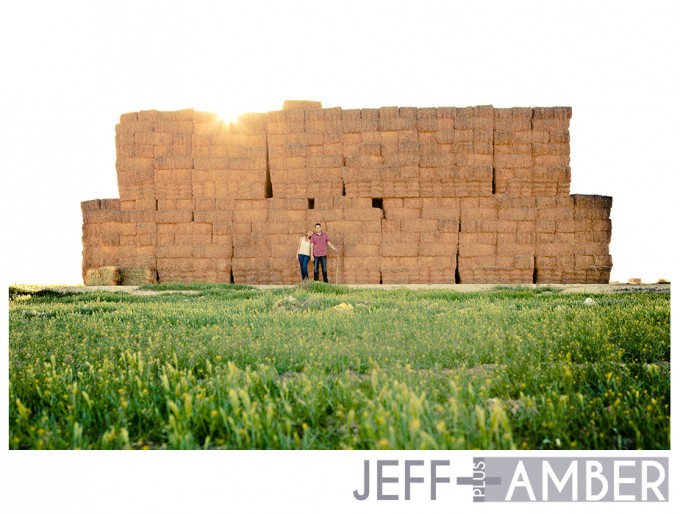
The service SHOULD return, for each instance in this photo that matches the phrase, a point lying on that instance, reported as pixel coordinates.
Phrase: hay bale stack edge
(413, 195)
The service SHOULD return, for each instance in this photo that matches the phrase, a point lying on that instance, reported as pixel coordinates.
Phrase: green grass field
(329, 367)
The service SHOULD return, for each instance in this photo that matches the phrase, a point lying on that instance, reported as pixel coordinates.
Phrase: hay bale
(551, 112)
(138, 276)
(104, 276)
(91, 205)
(541, 149)
(300, 104)
(513, 161)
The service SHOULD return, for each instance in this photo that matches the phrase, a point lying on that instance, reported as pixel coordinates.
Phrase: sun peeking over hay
(229, 115)
(471, 195)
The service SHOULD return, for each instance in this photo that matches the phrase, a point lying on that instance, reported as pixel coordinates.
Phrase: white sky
(71, 68)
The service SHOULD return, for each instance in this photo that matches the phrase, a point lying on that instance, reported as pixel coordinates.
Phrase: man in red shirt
(320, 241)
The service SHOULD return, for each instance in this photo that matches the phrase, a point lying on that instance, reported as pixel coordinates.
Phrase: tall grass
(236, 367)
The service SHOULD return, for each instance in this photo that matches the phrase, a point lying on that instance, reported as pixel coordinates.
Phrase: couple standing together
(314, 245)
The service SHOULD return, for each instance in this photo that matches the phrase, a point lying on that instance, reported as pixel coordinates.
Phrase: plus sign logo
(479, 480)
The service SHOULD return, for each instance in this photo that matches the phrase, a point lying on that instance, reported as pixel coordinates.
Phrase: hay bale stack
(408, 152)
(477, 243)
(554, 240)
(135, 150)
(439, 194)
(592, 235)
(419, 240)
(229, 158)
(110, 236)
(531, 151)
(357, 233)
(399, 247)
(306, 153)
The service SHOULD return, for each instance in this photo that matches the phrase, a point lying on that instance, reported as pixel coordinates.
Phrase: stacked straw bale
(531, 151)
(420, 240)
(592, 235)
(305, 152)
(113, 237)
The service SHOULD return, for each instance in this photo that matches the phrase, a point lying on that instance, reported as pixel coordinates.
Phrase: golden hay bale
(138, 276)
(301, 104)
(104, 276)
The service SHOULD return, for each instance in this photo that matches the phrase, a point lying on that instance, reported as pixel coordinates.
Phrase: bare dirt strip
(465, 288)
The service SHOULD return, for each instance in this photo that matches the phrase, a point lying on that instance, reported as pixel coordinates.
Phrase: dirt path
(565, 288)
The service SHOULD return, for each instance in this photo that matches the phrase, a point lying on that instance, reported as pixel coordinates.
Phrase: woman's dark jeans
(304, 262)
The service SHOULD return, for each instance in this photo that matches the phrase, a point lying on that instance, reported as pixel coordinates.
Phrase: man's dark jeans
(321, 258)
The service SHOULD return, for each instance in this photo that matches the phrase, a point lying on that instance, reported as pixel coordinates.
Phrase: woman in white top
(304, 253)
